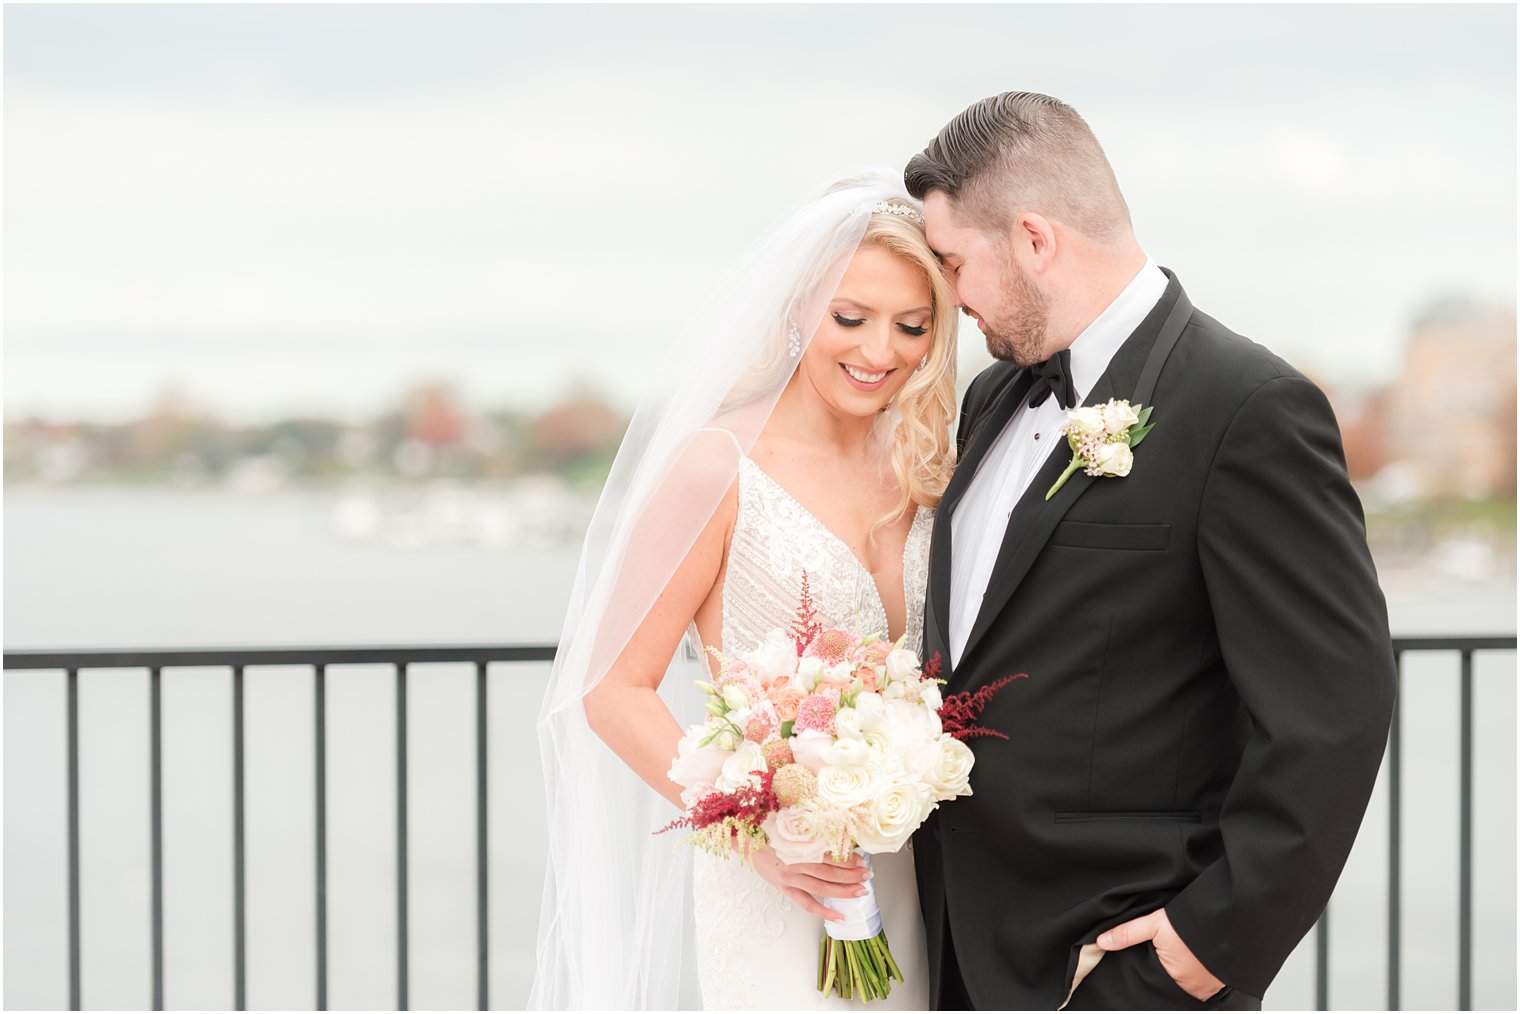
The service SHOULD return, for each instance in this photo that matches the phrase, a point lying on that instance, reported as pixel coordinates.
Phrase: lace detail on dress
(776, 538)
(740, 910)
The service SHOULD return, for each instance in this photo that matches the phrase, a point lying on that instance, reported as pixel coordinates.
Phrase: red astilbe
(747, 805)
(805, 627)
(958, 712)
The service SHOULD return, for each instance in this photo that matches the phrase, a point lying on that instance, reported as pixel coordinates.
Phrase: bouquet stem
(859, 966)
(861, 970)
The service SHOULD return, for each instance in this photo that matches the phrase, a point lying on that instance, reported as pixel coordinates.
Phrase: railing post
(1322, 961)
(1464, 920)
(481, 853)
(1395, 878)
(320, 681)
(73, 749)
(401, 872)
(239, 884)
(156, 821)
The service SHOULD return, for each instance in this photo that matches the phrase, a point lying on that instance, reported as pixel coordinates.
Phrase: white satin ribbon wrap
(862, 916)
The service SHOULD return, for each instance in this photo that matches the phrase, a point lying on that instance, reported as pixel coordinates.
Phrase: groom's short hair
(1017, 152)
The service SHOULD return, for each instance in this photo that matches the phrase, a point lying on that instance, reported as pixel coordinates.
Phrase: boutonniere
(1103, 438)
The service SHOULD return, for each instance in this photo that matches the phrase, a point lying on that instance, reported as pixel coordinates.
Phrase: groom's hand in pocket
(1185, 969)
(804, 883)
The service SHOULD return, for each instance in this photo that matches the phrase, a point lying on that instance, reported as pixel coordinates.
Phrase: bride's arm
(626, 711)
(625, 708)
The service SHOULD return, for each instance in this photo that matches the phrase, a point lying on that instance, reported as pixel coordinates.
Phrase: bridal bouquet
(823, 743)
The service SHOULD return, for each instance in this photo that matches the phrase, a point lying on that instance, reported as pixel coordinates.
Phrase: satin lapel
(991, 423)
(1034, 518)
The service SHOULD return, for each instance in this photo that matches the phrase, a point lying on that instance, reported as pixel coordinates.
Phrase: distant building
(1450, 416)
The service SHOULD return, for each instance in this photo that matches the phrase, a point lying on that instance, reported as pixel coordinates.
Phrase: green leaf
(1137, 434)
(1145, 414)
(786, 729)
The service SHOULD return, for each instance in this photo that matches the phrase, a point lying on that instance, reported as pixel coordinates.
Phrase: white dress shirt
(980, 516)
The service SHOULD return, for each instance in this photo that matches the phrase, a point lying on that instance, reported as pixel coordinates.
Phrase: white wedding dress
(755, 948)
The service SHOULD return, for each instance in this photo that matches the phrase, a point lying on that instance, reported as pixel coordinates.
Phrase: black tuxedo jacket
(1210, 684)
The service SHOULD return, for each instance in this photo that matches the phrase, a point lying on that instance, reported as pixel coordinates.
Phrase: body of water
(165, 568)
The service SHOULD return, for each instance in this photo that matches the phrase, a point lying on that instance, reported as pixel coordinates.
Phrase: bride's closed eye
(910, 329)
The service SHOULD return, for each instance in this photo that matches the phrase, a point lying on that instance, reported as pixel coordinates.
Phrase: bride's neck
(801, 413)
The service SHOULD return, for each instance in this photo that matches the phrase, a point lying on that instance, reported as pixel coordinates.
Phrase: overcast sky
(308, 208)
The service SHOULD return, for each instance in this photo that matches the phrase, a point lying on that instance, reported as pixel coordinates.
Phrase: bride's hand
(802, 881)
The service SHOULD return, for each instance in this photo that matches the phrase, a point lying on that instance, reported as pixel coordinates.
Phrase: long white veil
(615, 927)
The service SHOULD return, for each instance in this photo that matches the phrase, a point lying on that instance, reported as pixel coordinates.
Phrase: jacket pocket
(1086, 816)
(1100, 535)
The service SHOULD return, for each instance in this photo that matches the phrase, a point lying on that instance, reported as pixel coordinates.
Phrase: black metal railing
(238, 659)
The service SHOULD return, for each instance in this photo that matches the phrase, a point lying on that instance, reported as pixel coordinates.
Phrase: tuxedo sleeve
(1303, 633)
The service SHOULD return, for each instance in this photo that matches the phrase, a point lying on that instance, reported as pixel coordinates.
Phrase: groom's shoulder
(985, 384)
(1230, 364)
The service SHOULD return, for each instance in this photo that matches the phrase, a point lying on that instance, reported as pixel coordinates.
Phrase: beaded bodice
(775, 539)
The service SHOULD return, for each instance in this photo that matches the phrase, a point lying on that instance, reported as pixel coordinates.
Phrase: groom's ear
(1034, 238)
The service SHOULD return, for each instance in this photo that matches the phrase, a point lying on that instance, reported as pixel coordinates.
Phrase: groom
(1210, 672)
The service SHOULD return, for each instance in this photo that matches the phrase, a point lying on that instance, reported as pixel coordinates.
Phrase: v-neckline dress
(755, 948)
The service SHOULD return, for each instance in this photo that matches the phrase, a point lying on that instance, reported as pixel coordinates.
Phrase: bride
(802, 426)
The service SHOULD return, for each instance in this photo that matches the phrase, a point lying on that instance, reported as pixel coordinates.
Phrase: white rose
(878, 739)
(809, 672)
(1118, 416)
(735, 697)
(950, 775)
(870, 708)
(847, 753)
(1114, 459)
(810, 748)
(1086, 420)
(847, 725)
(793, 833)
(839, 673)
(888, 820)
(895, 691)
(846, 786)
(742, 767)
(693, 764)
(777, 656)
(902, 664)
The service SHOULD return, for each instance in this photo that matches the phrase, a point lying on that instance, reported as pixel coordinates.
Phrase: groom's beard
(1021, 341)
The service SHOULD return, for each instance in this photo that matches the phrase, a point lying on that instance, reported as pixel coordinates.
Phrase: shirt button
(1037, 436)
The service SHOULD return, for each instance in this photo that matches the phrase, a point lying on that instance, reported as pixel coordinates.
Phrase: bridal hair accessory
(901, 209)
(1103, 438)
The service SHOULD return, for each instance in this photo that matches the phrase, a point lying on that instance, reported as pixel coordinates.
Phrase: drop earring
(793, 339)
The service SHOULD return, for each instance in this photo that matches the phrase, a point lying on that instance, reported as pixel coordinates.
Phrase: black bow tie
(1053, 376)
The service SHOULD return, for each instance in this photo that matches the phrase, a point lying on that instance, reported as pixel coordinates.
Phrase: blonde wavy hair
(917, 422)
(923, 454)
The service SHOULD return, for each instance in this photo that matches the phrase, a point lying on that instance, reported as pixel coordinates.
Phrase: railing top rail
(1456, 642)
(136, 658)
(110, 658)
